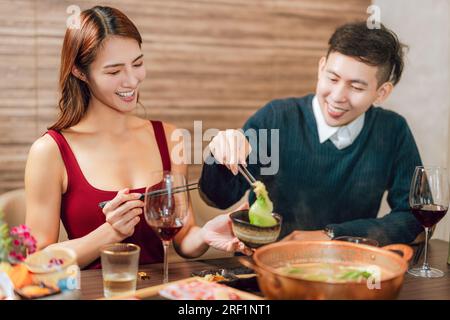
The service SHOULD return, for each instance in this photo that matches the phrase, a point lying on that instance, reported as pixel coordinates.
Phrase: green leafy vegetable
(356, 274)
(260, 213)
(294, 270)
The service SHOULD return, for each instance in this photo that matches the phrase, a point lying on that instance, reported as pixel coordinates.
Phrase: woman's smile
(127, 96)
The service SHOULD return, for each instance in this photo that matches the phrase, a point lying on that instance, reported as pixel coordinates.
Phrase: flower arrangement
(15, 244)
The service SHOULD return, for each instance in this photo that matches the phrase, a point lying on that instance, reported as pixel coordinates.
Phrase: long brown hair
(79, 49)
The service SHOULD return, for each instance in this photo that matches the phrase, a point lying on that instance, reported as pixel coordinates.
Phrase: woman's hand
(218, 234)
(230, 148)
(122, 212)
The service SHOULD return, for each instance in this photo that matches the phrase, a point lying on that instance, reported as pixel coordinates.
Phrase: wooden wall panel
(212, 60)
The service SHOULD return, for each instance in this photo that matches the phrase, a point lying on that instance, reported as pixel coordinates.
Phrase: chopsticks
(247, 175)
(161, 192)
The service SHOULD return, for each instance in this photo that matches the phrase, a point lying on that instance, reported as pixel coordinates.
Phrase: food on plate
(20, 276)
(214, 277)
(240, 278)
(199, 290)
(228, 274)
(260, 213)
(34, 291)
(50, 259)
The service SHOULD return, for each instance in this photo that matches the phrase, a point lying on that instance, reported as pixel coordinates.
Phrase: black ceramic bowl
(251, 235)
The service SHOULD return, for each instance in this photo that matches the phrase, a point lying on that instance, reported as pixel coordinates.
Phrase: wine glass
(166, 208)
(428, 199)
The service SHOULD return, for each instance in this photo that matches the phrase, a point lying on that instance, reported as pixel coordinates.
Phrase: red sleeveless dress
(80, 213)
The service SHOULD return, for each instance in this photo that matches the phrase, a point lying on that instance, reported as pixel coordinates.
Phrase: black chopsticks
(161, 192)
(247, 175)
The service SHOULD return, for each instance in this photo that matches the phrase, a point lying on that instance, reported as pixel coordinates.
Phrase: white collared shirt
(342, 136)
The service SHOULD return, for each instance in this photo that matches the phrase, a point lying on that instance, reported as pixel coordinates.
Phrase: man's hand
(230, 148)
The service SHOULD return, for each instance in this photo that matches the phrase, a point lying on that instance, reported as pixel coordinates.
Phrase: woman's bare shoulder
(45, 148)
(169, 127)
(172, 134)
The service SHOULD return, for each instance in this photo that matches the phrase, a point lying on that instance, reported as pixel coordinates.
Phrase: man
(338, 153)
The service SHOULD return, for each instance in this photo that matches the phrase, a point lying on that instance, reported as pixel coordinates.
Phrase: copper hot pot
(276, 285)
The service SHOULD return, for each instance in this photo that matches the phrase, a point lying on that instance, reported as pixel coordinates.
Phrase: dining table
(413, 288)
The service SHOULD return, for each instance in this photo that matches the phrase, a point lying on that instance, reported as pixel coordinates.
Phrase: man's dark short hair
(375, 47)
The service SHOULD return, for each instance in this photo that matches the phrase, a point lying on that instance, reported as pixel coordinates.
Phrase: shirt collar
(342, 136)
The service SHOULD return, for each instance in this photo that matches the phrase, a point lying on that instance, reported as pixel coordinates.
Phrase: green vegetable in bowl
(260, 213)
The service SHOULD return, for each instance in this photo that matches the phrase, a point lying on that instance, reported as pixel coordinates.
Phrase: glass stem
(425, 260)
(166, 262)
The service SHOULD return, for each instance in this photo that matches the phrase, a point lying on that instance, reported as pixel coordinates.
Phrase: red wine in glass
(429, 214)
(429, 201)
(167, 231)
(166, 210)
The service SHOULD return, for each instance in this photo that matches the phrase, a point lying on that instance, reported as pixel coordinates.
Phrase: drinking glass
(166, 208)
(428, 199)
(119, 268)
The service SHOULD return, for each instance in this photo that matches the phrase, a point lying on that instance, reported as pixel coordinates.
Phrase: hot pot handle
(407, 251)
(248, 263)
(275, 281)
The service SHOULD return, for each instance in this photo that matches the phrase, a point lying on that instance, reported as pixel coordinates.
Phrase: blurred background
(219, 61)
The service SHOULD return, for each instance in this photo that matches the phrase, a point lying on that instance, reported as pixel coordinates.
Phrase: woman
(97, 146)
